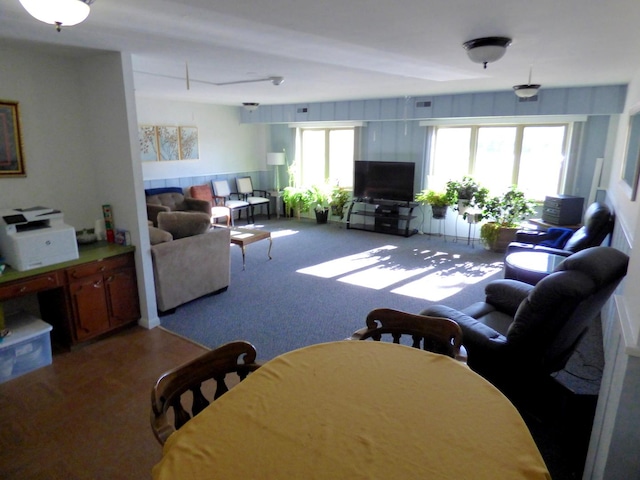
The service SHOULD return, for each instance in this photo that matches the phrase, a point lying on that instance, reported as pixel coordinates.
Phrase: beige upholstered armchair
(189, 258)
(172, 199)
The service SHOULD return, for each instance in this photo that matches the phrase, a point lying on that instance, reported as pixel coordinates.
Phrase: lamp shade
(275, 158)
(62, 13)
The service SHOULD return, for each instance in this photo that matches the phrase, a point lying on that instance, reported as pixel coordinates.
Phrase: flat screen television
(383, 180)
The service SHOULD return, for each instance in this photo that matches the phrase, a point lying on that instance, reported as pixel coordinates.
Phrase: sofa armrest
(474, 332)
(198, 205)
(531, 236)
(154, 210)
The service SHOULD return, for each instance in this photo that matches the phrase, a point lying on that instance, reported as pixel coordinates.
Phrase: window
(529, 156)
(327, 155)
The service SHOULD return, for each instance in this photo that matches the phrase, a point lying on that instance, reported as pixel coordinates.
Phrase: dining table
(356, 410)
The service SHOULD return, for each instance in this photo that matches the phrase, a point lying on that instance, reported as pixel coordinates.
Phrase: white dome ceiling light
(61, 13)
(486, 50)
(526, 90)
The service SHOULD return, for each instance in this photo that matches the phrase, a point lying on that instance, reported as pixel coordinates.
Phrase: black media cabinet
(383, 216)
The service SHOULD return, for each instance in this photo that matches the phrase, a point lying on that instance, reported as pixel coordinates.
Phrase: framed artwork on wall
(148, 143)
(11, 156)
(631, 167)
(189, 143)
(168, 145)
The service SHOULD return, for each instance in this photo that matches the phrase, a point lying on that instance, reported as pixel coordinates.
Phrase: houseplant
(320, 197)
(467, 194)
(298, 199)
(504, 214)
(439, 201)
(340, 196)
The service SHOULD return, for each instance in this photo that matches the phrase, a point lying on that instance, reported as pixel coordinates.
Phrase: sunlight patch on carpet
(344, 265)
(381, 276)
(283, 233)
(442, 284)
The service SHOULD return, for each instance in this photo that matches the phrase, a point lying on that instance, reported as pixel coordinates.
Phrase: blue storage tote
(27, 348)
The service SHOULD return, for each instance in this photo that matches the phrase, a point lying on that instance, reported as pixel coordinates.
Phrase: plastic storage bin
(27, 348)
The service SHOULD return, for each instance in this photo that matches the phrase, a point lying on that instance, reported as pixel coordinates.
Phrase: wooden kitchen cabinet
(103, 295)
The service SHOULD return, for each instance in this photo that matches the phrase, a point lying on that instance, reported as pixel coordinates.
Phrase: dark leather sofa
(521, 333)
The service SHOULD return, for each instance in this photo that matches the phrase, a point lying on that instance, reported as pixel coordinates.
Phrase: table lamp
(275, 159)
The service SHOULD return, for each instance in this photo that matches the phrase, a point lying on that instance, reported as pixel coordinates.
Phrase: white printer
(36, 237)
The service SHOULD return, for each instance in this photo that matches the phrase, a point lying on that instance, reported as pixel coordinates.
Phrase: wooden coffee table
(246, 236)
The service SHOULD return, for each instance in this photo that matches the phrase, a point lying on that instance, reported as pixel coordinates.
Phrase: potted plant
(339, 198)
(504, 214)
(320, 197)
(297, 199)
(467, 193)
(439, 201)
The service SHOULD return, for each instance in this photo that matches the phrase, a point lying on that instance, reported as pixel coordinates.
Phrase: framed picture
(168, 145)
(11, 156)
(631, 168)
(189, 143)
(148, 143)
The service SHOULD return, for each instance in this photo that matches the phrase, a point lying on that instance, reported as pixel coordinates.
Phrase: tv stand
(383, 216)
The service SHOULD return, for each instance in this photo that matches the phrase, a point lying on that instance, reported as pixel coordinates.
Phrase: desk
(81, 298)
(530, 267)
(356, 409)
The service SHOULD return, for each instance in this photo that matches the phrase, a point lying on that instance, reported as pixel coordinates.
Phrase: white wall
(616, 430)
(57, 153)
(225, 145)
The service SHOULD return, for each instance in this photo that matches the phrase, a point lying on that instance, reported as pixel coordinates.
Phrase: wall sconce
(486, 50)
(276, 159)
(61, 13)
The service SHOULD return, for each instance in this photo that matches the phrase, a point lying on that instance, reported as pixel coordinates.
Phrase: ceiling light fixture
(526, 91)
(61, 13)
(250, 106)
(486, 50)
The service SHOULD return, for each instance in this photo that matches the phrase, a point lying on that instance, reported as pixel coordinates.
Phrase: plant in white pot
(467, 194)
(505, 214)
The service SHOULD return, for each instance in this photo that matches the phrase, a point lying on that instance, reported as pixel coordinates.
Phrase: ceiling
(331, 50)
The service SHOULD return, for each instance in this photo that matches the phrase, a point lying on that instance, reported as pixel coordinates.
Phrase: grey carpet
(279, 306)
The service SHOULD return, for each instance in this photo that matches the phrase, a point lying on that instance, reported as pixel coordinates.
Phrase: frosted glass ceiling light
(61, 13)
(486, 50)
(526, 90)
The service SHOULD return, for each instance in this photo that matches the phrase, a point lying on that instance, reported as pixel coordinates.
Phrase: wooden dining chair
(201, 373)
(435, 334)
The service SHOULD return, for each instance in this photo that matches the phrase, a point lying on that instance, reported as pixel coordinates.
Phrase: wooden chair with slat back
(435, 334)
(235, 357)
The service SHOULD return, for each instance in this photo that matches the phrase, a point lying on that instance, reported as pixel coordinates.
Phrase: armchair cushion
(184, 224)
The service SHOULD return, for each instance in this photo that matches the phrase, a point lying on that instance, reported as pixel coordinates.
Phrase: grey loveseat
(189, 258)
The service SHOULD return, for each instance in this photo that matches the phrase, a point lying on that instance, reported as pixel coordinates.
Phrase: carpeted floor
(324, 279)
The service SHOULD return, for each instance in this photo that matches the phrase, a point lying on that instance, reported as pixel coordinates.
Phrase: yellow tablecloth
(356, 410)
